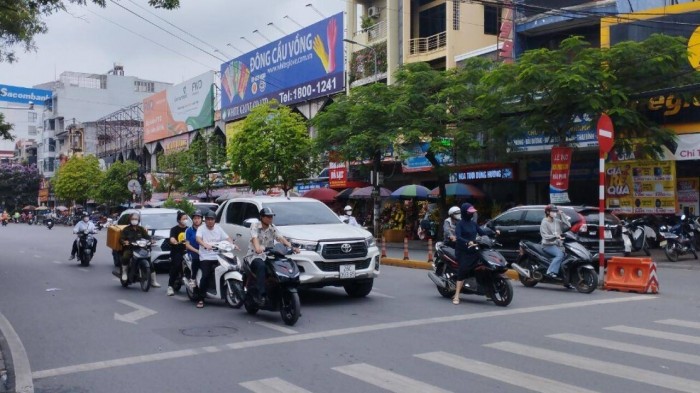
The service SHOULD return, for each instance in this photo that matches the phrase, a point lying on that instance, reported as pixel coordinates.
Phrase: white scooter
(226, 283)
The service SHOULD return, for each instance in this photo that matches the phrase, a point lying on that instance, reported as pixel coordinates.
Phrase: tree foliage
(272, 148)
(180, 204)
(19, 185)
(77, 179)
(5, 129)
(112, 190)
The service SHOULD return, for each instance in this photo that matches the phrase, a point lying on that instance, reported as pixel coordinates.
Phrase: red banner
(337, 173)
(559, 177)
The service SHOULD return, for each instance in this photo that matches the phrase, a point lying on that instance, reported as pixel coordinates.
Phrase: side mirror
(683, 217)
(249, 222)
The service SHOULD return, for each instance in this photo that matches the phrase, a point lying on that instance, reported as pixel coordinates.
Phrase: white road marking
(37, 256)
(272, 385)
(517, 378)
(23, 372)
(277, 327)
(379, 294)
(386, 379)
(82, 269)
(598, 366)
(57, 262)
(331, 333)
(629, 348)
(681, 323)
(684, 338)
(140, 312)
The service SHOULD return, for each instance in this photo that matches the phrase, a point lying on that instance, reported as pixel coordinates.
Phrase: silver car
(157, 222)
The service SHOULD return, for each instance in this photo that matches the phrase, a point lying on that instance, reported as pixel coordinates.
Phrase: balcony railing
(429, 44)
(376, 32)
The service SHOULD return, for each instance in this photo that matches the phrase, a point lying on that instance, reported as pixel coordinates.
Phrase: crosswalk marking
(629, 348)
(387, 380)
(678, 322)
(601, 367)
(517, 378)
(684, 338)
(272, 385)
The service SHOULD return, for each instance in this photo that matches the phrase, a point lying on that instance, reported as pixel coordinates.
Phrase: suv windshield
(302, 213)
(153, 221)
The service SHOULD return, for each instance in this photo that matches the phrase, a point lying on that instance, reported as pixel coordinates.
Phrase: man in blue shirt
(192, 246)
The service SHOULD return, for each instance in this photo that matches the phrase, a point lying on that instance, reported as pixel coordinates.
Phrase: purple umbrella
(366, 193)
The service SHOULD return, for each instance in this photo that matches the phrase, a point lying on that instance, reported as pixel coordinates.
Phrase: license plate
(347, 271)
(662, 243)
(608, 234)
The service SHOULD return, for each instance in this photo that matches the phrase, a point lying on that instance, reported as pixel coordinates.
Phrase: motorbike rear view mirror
(249, 222)
(683, 217)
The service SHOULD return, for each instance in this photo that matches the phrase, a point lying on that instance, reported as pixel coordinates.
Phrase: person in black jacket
(465, 252)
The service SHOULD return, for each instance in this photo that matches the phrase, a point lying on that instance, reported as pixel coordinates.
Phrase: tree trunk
(442, 179)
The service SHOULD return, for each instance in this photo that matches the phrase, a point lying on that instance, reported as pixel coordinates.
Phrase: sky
(89, 39)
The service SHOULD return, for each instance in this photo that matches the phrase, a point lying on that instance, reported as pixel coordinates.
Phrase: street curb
(412, 264)
(17, 360)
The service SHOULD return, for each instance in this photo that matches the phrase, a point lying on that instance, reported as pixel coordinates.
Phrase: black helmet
(197, 213)
(85, 214)
(210, 214)
(266, 211)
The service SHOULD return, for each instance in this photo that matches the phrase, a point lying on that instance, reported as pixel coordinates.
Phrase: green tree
(202, 165)
(112, 190)
(169, 164)
(19, 185)
(77, 179)
(181, 204)
(273, 148)
(5, 129)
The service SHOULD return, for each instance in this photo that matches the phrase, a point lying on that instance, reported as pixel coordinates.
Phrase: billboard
(181, 108)
(298, 67)
(641, 187)
(23, 95)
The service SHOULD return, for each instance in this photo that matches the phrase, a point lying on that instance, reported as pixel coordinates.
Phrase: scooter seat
(537, 248)
(449, 252)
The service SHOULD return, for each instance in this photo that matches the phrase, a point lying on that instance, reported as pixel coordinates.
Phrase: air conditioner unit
(373, 12)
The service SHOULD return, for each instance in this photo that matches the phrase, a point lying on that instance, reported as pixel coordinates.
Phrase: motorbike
(281, 285)
(488, 274)
(637, 236)
(86, 245)
(49, 223)
(576, 269)
(139, 267)
(227, 281)
(4, 223)
(679, 239)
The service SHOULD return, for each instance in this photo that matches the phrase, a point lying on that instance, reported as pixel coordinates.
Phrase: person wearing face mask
(192, 245)
(348, 218)
(83, 225)
(129, 234)
(177, 249)
(465, 252)
(551, 232)
(449, 227)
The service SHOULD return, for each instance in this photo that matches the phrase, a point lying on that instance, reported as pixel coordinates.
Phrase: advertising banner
(175, 144)
(689, 195)
(298, 67)
(23, 95)
(181, 108)
(644, 187)
(337, 174)
(416, 161)
(559, 176)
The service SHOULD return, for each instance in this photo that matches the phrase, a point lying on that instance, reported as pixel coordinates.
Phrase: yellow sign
(641, 187)
(694, 49)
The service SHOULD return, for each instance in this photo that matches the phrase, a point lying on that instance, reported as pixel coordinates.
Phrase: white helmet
(347, 208)
(454, 210)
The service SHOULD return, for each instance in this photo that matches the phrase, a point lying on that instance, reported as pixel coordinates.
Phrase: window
(455, 15)
(234, 212)
(492, 19)
(508, 219)
(144, 87)
(534, 217)
(32, 130)
(432, 21)
(31, 117)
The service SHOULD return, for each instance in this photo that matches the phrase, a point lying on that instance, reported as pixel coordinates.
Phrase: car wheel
(359, 288)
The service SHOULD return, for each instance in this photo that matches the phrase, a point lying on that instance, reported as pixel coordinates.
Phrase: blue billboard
(298, 67)
(23, 95)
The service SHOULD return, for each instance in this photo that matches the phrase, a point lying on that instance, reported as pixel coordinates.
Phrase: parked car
(523, 223)
(204, 206)
(332, 253)
(158, 222)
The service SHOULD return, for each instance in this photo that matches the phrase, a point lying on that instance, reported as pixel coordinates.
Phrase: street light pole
(377, 159)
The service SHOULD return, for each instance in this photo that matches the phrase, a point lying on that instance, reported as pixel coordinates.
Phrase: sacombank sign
(23, 95)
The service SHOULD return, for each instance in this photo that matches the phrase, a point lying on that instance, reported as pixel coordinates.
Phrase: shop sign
(303, 187)
(337, 174)
(490, 173)
(559, 176)
(689, 195)
(416, 161)
(175, 144)
(584, 136)
(642, 187)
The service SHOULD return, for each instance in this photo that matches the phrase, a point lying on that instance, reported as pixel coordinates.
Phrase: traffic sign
(606, 133)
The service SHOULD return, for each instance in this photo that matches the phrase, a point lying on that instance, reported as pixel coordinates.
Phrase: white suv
(333, 253)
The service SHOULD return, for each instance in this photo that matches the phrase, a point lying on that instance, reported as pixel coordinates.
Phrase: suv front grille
(335, 266)
(335, 250)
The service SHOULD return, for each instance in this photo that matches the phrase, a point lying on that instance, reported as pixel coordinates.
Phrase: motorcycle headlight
(142, 243)
(305, 244)
(370, 242)
(158, 238)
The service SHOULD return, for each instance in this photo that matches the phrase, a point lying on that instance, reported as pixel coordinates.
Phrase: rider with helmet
(262, 235)
(465, 252)
(83, 225)
(348, 218)
(449, 227)
(551, 232)
(177, 249)
(192, 245)
(207, 236)
(130, 234)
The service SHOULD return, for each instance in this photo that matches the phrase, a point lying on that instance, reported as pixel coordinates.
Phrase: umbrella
(42, 208)
(459, 190)
(366, 193)
(323, 194)
(61, 208)
(345, 194)
(29, 207)
(411, 191)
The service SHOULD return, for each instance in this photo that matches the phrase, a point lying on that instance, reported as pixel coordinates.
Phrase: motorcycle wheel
(671, 253)
(528, 282)
(444, 292)
(250, 307)
(586, 281)
(177, 284)
(290, 308)
(645, 248)
(233, 291)
(84, 260)
(145, 277)
(501, 291)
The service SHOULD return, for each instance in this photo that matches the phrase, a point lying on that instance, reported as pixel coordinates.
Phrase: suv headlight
(305, 244)
(370, 242)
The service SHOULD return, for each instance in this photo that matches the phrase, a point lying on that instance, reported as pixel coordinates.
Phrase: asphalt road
(75, 326)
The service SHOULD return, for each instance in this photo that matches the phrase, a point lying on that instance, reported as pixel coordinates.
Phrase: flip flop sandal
(455, 300)
(200, 304)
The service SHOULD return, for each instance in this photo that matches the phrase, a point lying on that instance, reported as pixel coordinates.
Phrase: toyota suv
(523, 223)
(332, 253)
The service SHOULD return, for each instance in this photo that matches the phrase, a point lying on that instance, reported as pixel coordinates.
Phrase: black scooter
(140, 267)
(679, 239)
(576, 268)
(281, 285)
(49, 223)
